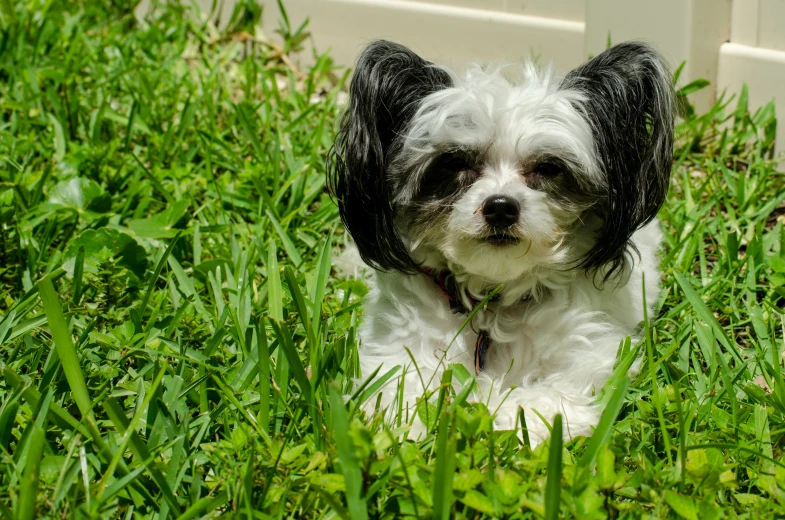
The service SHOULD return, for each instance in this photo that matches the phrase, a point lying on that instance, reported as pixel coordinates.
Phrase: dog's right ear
(387, 87)
(628, 103)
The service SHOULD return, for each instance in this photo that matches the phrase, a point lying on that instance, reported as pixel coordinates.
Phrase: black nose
(500, 212)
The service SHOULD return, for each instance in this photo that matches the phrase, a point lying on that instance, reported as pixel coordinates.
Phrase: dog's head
(496, 177)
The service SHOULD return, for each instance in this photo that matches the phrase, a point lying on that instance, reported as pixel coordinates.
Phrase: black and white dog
(453, 186)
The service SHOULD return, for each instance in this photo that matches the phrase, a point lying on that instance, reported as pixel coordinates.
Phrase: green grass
(174, 342)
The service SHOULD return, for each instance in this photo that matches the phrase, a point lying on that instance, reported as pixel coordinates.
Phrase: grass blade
(295, 364)
(157, 272)
(28, 491)
(65, 347)
(263, 372)
(204, 506)
(553, 482)
(78, 269)
(346, 454)
(444, 469)
(139, 449)
(603, 430)
(320, 284)
(706, 315)
(274, 289)
(288, 245)
(299, 304)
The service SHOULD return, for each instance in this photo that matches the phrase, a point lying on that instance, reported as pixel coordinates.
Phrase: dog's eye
(454, 163)
(547, 169)
(447, 175)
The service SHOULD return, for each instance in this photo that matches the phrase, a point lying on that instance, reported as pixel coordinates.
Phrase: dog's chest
(408, 317)
(417, 317)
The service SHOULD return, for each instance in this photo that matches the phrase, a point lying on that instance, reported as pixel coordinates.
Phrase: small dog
(452, 187)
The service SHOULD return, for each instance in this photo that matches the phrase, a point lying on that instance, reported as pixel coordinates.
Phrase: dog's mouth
(502, 240)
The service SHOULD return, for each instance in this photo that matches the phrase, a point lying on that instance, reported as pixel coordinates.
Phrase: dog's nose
(500, 211)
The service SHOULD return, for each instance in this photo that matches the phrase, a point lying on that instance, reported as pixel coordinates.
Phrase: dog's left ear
(387, 87)
(629, 105)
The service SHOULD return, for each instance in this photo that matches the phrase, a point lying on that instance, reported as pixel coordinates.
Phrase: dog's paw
(577, 421)
(536, 431)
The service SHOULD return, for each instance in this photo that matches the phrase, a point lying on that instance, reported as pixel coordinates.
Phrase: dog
(511, 223)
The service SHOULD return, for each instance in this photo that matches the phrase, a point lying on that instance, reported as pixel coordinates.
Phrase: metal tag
(480, 349)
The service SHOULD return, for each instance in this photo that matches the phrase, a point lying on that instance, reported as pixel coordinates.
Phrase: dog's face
(495, 177)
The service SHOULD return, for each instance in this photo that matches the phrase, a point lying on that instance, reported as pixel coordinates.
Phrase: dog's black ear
(387, 86)
(630, 108)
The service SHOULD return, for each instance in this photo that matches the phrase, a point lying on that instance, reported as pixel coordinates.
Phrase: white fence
(728, 42)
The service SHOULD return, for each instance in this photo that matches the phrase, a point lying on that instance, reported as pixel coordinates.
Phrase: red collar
(450, 288)
(446, 281)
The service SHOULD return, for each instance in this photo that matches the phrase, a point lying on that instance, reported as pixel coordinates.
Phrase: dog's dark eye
(446, 176)
(459, 165)
(547, 169)
(454, 163)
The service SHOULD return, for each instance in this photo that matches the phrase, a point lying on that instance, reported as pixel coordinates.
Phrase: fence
(728, 42)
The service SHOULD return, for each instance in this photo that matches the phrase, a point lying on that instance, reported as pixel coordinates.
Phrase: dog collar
(452, 291)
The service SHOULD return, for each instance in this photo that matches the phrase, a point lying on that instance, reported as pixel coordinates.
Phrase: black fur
(631, 112)
(387, 86)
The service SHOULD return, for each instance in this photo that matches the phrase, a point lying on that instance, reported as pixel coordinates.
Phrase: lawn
(175, 343)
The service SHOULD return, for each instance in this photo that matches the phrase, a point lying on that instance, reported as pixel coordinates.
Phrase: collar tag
(480, 349)
(451, 290)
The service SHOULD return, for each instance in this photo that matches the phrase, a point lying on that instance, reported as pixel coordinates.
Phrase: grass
(174, 342)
